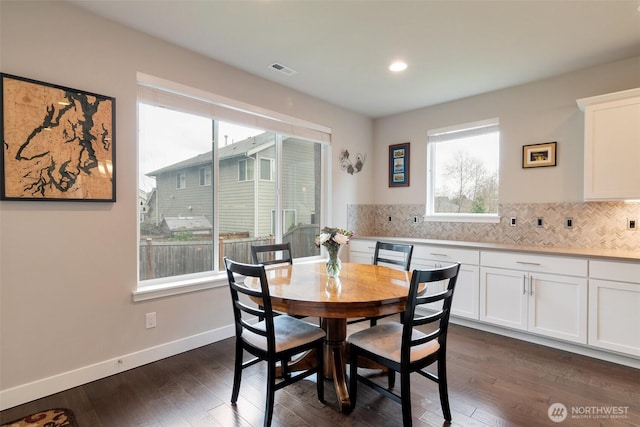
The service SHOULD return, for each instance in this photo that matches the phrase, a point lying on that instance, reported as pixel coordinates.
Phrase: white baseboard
(44, 387)
(550, 342)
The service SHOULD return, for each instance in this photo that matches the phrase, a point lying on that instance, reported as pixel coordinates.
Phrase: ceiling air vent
(282, 69)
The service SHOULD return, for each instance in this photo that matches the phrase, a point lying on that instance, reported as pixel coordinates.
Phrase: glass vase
(334, 264)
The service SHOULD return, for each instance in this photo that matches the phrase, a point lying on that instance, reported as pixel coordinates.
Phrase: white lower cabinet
(614, 306)
(584, 301)
(465, 297)
(539, 294)
(361, 251)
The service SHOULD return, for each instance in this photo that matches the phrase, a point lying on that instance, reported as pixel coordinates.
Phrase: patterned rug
(49, 418)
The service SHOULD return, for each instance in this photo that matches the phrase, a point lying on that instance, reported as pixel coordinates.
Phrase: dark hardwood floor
(493, 381)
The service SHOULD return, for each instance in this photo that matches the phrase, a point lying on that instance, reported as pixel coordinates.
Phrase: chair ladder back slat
(432, 335)
(277, 253)
(431, 318)
(439, 296)
(388, 248)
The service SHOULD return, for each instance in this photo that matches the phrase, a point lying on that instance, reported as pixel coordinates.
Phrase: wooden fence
(164, 259)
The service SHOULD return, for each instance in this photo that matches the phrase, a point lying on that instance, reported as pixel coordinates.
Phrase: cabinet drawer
(449, 255)
(535, 263)
(616, 271)
(368, 246)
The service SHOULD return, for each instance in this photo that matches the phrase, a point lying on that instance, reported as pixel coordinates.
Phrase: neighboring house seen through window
(187, 233)
(463, 170)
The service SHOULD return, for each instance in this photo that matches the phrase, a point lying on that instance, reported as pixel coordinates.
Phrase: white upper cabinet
(612, 146)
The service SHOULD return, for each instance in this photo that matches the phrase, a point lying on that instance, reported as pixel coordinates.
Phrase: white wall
(68, 269)
(534, 113)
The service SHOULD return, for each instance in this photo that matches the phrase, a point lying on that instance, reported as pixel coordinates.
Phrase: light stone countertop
(594, 253)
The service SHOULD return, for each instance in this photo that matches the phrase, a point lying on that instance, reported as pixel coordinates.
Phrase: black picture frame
(58, 142)
(399, 165)
(539, 155)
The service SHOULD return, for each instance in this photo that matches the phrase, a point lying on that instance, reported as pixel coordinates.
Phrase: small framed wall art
(539, 155)
(399, 165)
(58, 142)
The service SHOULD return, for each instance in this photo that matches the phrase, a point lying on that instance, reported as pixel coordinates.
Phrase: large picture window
(463, 170)
(221, 210)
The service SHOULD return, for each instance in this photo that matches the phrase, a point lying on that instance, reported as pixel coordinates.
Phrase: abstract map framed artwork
(58, 143)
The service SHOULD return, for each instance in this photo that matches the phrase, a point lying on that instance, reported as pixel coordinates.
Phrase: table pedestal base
(335, 359)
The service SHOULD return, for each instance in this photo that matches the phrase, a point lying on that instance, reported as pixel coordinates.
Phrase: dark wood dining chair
(273, 254)
(403, 348)
(384, 255)
(277, 253)
(275, 340)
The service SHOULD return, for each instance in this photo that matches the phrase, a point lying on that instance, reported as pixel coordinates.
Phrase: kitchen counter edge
(598, 253)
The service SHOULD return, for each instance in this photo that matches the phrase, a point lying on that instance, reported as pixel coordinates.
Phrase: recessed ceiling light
(398, 66)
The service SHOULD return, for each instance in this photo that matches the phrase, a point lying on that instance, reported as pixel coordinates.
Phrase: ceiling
(341, 49)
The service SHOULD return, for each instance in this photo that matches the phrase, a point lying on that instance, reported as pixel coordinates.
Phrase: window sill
(178, 287)
(492, 219)
(163, 288)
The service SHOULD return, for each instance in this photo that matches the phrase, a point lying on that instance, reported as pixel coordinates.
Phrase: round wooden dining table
(362, 290)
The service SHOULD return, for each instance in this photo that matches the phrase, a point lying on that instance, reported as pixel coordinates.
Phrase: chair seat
(289, 333)
(386, 340)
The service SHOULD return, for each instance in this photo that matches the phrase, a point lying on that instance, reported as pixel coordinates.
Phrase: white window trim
(450, 217)
(162, 91)
(169, 286)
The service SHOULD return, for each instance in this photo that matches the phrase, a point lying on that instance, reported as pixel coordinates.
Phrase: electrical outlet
(416, 219)
(632, 224)
(568, 222)
(389, 219)
(539, 221)
(150, 320)
(512, 221)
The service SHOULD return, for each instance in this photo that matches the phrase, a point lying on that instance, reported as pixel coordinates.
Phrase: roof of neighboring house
(245, 147)
(190, 223)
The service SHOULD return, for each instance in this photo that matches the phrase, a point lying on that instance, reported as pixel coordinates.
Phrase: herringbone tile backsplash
(600, 225)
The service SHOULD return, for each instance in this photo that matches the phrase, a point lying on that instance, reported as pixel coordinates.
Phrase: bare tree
(469, 187)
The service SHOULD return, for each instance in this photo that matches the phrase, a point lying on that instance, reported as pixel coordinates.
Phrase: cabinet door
(361, 251)
(432, 288)
(558, 306)
(467, 293)
(360, 258)
(503, 297)
(614, 316)
(612, 150)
